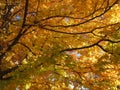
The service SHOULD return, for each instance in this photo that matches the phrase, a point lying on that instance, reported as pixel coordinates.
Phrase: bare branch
(2, 73)
(90, 31)
(25, 13)
(26, 47)
(73, 25)
(92, 45)
(83, 47)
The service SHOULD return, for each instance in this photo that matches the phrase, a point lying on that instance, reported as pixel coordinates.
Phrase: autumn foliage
(59, 44)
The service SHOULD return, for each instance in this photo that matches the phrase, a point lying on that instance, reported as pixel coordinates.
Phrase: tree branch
(27, 47)
(14, 43)
(73, 25)
(25, 13)
(2, 73)
(90, 31)
(84, 47)
(92, 45)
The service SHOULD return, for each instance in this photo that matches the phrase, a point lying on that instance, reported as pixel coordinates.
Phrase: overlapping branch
(72, 33)
(16, 39)
(25, 27)
(80, 23)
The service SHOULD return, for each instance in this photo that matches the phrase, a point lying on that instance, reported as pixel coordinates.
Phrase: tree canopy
(59, 44)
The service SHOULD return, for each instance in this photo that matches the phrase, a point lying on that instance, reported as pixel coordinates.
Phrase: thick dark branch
(25, 13)
(19, 34)
(2, 73)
